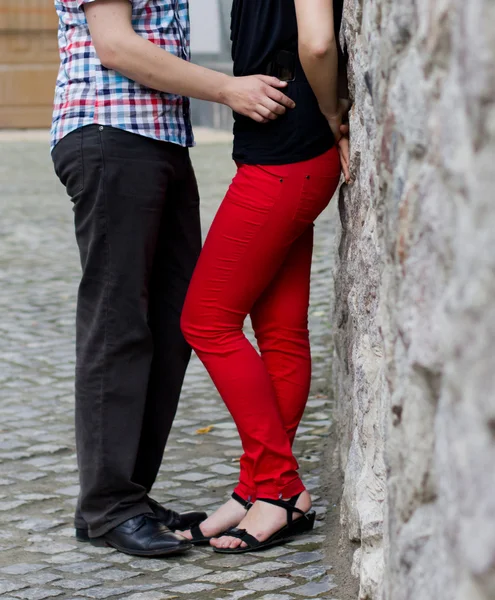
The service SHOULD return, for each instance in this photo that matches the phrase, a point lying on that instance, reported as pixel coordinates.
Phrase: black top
(260, 30)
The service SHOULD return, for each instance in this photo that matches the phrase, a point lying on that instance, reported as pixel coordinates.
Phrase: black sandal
(198, 539)
(294, 527)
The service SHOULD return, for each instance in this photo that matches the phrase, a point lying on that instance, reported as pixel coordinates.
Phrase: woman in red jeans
(257, 261)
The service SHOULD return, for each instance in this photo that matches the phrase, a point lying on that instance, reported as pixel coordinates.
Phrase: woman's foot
(262, 521)
(228, 515)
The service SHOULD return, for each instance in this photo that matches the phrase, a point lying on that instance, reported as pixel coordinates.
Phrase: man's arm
(121, 49)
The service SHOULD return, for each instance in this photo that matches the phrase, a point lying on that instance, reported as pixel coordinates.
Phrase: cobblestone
(314, 589)
(268, 583)
(39, 557)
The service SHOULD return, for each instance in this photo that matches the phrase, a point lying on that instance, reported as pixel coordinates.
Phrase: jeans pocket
(317, 191)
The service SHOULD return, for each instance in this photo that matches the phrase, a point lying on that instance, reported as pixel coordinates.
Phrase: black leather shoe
(144, 535)
(170, 518)
(174, 520)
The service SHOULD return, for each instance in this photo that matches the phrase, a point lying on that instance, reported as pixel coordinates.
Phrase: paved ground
(38, 480)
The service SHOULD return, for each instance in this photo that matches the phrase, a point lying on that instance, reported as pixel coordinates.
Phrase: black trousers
(137, 224)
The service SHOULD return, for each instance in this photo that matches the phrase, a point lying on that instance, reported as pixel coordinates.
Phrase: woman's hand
(335, 120)
(341, 135)
(343, 148)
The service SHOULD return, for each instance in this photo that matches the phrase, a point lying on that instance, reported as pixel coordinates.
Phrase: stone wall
(415, 300)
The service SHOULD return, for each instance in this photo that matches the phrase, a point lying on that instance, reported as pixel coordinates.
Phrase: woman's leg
(264, 213)
(280, 321)
(248, 241)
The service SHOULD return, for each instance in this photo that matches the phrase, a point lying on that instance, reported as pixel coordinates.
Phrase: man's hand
(258, 97)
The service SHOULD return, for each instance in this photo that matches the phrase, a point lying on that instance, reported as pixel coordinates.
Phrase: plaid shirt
(88, 93)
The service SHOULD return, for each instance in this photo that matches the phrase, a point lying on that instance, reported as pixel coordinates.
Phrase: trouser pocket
(68, 163)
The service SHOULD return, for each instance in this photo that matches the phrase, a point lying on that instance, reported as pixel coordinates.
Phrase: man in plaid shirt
(120, 137)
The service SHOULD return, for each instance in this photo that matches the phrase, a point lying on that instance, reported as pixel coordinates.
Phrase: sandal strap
(244, 503)
(243, 535)
(289, 506)
(294, 499)
(235, 532)
(197, 534)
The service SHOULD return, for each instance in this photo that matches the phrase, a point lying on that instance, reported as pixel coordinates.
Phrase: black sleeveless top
(260, 29)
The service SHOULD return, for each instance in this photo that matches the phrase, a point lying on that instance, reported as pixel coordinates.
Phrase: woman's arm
(120, 48)
(318, 52)
(319, 58)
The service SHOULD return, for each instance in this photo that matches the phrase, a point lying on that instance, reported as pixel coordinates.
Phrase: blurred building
(28, 62)
(29, 59)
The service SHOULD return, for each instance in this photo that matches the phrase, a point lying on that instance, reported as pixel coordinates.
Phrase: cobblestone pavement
(39, 557)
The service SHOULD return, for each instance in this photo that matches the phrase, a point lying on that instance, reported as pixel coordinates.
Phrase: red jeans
(257, 261)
